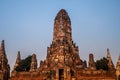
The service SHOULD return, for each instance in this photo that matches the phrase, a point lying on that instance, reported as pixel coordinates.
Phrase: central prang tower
(62, 55)
(62, 27)
(63, 61)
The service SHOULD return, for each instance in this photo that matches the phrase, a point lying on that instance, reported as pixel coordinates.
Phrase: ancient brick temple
(4, 66)
(62, 61)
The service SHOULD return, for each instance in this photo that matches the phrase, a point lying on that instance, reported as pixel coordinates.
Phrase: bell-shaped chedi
(33, 66)
(4, 66)
(118, 69)
(110, 63)
(91, 63)
(18, 59)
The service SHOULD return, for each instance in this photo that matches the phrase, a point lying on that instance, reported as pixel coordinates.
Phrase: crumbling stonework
(118, 69)
(4, 66)
(63, 61)
(18, 59)
(33, 66)
(110, 63)
(91, 62)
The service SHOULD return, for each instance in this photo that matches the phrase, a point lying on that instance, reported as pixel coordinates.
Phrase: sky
(27, 26)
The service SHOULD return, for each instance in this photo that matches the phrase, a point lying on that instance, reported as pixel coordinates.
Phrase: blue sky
(27, 26)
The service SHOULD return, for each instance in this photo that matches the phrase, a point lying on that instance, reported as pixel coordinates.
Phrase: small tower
(118, 69)
(18, 59)
(33, 66)
(110, 63)
(91, 63)
(4, 66)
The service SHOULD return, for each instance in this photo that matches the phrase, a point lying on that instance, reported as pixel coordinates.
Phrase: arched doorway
(61, 74)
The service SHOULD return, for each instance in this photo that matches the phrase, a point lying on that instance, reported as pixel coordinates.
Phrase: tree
(102, 64)
(24, 64)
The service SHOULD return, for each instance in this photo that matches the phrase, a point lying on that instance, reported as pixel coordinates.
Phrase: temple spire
(2, 53)
(18, 59)
(118, 63)
(108, 53)
(2, 49)
(2, 45)
(4, 66)
(91, 62)
(110, 63)
(33, 66)
(62, 27)
(118, 68)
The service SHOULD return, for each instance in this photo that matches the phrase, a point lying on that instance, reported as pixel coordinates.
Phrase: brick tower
(91, 62)
(4, 66)
(63, 61)
(33, 66)
(118, 69)
(110, 63)
(63, 55)
(18, 59)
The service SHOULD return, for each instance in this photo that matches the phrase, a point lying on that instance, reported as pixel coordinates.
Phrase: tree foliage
(102, 64)
(24, 64)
